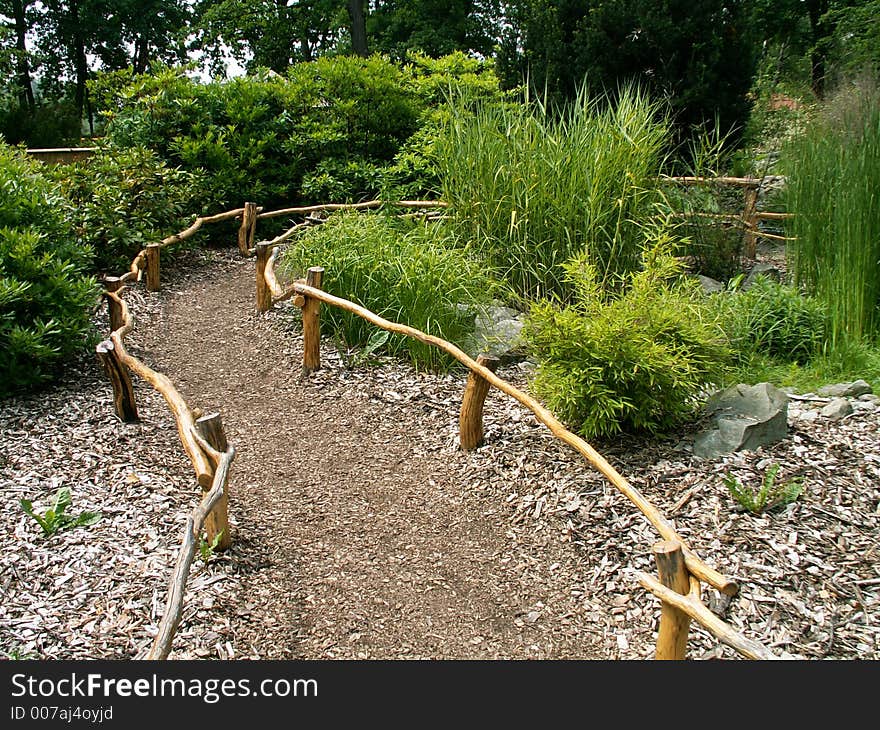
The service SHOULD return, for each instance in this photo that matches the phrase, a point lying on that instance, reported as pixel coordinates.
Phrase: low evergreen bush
(634, 362)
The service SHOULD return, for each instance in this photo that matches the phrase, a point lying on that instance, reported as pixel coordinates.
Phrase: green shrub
(634, 362)
(532, 188)
(412, 273)
(48, 125)
(773, 319)
(126, 198)
(46, 296)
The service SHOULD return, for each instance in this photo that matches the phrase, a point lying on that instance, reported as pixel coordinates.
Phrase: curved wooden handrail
(182, 415)
(694, 564)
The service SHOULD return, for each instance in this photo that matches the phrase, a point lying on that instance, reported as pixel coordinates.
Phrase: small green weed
(207, 549)
(56, 519)
(771, 495)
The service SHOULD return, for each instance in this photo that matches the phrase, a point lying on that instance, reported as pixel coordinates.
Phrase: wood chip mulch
(361, 530)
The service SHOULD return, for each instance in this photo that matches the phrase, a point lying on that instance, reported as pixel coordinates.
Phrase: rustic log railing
(681, 571)
(750, 218)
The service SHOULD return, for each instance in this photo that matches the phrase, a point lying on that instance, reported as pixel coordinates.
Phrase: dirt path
(358, 531)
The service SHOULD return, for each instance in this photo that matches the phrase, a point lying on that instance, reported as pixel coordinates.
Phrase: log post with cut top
(311, 320)
(114, 308)
(210, 428)
(123, 393)
(672, 635)
(248, 228)
(264, 293)
(151, 254)
(750, 237)
(470, 421)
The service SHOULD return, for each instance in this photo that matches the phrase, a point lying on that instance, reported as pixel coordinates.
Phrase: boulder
(768, 271)
(846, 390)
(498, 332)
(837, 408)
(710, 285)
(743, 417)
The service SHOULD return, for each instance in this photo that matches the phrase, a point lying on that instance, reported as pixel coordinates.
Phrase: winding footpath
(357, 532)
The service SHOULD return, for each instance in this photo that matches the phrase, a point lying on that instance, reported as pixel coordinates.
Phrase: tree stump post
(264, 294)
(210, 428)
(114, 309)
(123, 393)
(152, 260)
(311, 319)
(248, 228)
(750, 239)
(470, 420)
(672, 636)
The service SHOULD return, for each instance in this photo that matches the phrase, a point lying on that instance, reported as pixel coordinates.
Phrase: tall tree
(17, 9)
(698, 55)
(358, 27)
(265, 33)
(434, 27)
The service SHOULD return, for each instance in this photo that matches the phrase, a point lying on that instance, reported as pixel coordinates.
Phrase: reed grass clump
(833, 189)
(408, 272)
(532, 188)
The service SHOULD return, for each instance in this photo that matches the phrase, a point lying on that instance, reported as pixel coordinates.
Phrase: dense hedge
(46, 294)
(330, 130)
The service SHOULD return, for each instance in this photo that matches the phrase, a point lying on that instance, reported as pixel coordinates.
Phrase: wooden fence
(681, 572)
(750, 219)
(61, 155)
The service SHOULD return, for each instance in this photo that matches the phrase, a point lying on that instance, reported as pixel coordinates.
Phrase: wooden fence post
(470, 420)
(750, 239)
(674, 623)
(311, 319)
(152, 257)
(123, 393)
(210, 428)
(248, 228)
(114, 309)
(264, 294)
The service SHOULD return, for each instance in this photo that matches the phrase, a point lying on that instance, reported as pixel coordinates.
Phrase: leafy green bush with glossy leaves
(631, 362)
(126, 198)
(46, 295)
(408, 272)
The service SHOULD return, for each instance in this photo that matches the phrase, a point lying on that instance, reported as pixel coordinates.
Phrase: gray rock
(498, 332)
(837, 409)
(743, 417)
(761, 269)
(710, 286)
(870, 398)
(846, 390)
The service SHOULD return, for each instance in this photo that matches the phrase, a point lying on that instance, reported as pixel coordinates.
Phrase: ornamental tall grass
(531, 188)
(833, 189)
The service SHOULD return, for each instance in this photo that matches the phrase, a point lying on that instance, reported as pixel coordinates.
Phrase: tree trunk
(816, 10)
(358, 27)
(80, 63)
(23, 70)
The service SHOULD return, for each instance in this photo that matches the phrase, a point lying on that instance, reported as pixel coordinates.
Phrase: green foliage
(699, 56)
(45, 294)
(833, 176)
(532, 189)
(631, 362)
(770, 495)
(773, 319)
(49, 124)
(408, 272)
(207, 549)
(126, 198)
(55, 518)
